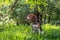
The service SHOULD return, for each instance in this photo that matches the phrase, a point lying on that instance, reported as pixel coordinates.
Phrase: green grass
(23, 32)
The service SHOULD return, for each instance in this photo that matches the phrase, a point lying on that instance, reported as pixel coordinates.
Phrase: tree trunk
(44, 19)
(49, 19)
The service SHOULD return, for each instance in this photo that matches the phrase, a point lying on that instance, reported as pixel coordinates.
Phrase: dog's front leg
(32, 28)
(40, 32)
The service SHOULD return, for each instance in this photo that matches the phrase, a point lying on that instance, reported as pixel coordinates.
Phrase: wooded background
(17, 10)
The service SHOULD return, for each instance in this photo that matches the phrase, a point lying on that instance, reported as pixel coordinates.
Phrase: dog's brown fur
(35, 25)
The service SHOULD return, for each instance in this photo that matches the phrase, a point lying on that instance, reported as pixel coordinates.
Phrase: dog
(35, 24)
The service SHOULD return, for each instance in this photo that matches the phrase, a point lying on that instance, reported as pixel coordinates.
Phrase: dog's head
(31, 17)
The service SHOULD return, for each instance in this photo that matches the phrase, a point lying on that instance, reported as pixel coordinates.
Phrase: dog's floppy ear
(31, 17)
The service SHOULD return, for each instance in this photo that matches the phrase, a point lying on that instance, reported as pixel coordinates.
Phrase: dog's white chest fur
(35, 25)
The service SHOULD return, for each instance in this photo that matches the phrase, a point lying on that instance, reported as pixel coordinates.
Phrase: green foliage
(23, 32)
(5, 2)
(48, 8)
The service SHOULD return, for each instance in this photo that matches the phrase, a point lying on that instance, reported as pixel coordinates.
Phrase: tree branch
(14, 4)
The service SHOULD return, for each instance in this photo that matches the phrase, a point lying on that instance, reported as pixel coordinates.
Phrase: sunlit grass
(23, 32)
(49, 26)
